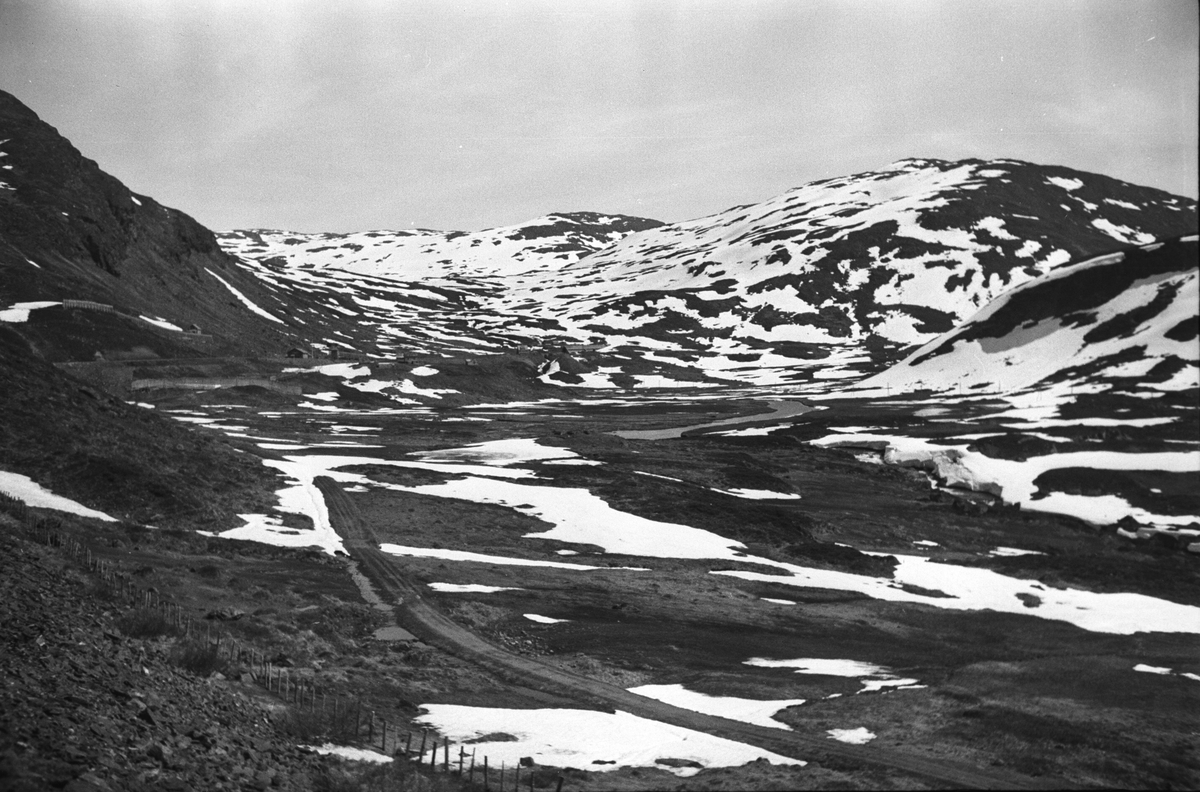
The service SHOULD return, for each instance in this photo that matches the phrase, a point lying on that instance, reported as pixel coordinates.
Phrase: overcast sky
(336, 115)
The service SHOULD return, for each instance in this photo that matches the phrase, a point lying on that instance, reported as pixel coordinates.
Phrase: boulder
(225, 614)
(945, 465)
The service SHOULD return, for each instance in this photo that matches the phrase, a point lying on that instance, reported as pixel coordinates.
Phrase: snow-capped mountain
(421, 291)
(546, 242)
(1123, 322)
(831, 280)
(903, 253)
(804, 284)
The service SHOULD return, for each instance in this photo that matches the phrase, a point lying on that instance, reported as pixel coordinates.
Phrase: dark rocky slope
(68, 230)
(87, 709)
(124, 460)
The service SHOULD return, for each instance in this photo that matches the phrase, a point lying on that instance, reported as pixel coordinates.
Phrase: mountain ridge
(829, 280)
(876, 261)
(70, 231)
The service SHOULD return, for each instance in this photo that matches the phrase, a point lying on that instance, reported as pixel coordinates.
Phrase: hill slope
(1122, 322)
(70, 231)
(901, 253)
(830, 280)
(876, 261)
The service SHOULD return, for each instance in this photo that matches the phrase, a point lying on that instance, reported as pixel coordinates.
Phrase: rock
(160, 753)
(952, 473)
(527, 761)
(945, 465)
(672, 762)
(88, 782)
(921, 460)
(225, 614)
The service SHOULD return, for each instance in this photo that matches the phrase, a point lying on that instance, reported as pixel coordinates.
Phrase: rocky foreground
(87, 708)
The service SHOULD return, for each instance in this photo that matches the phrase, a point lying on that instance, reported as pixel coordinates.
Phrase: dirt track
(433, 627)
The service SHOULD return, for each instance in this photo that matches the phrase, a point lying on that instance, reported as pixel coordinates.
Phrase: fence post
(558, 788)
(383, 740)
(446, 754)
(424, 734)
(486, 780)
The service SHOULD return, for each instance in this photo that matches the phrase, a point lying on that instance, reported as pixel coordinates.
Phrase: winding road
(433, 627)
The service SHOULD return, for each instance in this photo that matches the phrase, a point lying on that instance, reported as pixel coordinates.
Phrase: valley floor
(806, 603)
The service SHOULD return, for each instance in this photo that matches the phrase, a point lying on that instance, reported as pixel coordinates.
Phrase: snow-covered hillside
(903, 253)
(545, 243)
(823, 281)
(1124, 321)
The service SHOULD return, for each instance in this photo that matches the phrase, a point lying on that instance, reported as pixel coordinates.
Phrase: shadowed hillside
(70, 231)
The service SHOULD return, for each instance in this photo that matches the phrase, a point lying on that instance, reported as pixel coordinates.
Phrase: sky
(355, 115)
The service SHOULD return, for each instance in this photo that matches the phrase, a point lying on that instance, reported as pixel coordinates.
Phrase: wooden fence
(88, 305)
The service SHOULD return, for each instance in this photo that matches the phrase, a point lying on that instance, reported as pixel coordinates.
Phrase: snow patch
(470, 588)
(244, 299)
(19, 312)
(859, 736)
(350, 752)
(595, 741)
(1066, 184)
(755, 711)
(33, 494)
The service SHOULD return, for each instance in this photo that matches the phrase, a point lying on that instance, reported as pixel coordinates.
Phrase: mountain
(420, 290)
(902, 253)
(69, 231)
(1124, 322)
(558, 239)
(831, 279)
